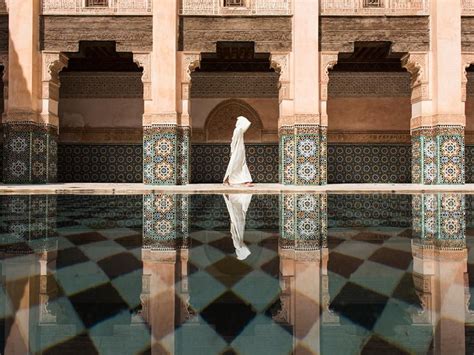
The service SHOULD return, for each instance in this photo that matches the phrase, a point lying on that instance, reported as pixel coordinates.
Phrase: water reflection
(237, 206)
(159, 274)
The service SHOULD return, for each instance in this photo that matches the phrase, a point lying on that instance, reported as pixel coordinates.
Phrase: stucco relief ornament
(467, 61)
(328, 61)
(191, 61)
(53, 63)
(417, 65)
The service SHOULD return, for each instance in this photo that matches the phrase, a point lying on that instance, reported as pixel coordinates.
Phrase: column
(165, 221)
(302, 133)
(438, 114)
(438, 221)
(165, 136)
(439, 268)
(300, 298)
(303, 224)
(158, 298)
(30, 138)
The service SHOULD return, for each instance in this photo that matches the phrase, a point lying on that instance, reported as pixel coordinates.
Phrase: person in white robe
(237, 171)
(237, 206)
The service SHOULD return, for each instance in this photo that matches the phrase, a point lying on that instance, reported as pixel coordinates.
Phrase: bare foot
(248, 184)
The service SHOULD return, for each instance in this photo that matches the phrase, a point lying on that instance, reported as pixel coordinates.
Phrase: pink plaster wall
(369, 113)
(105, 112)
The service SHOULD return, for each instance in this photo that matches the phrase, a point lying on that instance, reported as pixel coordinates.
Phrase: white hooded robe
(237, 206)
(237, 170)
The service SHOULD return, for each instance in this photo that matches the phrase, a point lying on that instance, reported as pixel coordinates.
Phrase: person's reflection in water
(237, 205)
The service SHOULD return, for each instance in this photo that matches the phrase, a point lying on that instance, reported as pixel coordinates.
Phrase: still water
(237, 274)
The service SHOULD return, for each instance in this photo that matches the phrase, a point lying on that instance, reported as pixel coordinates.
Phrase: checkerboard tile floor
(95, 287)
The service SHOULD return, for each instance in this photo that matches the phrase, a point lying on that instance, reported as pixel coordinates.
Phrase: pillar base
(303, 155)
(30, 153)
(166, 154)
(438, 155)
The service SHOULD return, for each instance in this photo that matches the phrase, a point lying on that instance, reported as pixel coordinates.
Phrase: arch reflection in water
(158, 274)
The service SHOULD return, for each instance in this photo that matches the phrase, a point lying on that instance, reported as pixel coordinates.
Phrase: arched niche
(221, 121)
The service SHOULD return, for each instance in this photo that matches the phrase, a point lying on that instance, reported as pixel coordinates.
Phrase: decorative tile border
(303, 155)
(303, 221)
(209, 162)
(30, 153)
(29, 218)
(183, 155)
(100, 163)
(439, 220)
(469, 163)
(165, 155)
(165, 221)
(438, 155)
(369, 163)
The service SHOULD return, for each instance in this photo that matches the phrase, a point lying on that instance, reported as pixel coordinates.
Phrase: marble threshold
(137, 189)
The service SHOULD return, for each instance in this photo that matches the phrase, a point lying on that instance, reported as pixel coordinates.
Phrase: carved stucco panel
(467, 60)
(143, 60)
(280, 62)
(327, 62)
(417, 64)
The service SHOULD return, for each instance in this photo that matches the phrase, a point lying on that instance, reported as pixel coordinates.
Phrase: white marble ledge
(136, 189)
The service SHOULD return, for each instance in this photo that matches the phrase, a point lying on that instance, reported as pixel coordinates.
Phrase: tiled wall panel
(100, 163)
(369, 163)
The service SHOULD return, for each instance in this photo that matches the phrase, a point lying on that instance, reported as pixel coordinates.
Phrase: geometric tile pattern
(209, 212)
(30, 153)
(209, 162)
(438, 155)
(373, 294)
(439, 219)
(29, 219)
(1, 154)
(89, 293)
(166, 155)
(364, 163)
(469, 163)
(165, 221)
(100, 163)
(303, 221)
(93, 296)
(303, 155)
(369, 210)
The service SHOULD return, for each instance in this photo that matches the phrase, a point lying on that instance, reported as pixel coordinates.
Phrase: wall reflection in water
(164, 273)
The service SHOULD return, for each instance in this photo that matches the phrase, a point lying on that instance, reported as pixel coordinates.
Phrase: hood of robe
(243, 122)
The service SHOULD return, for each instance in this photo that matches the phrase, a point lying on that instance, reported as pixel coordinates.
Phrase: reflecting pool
(237, 274)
